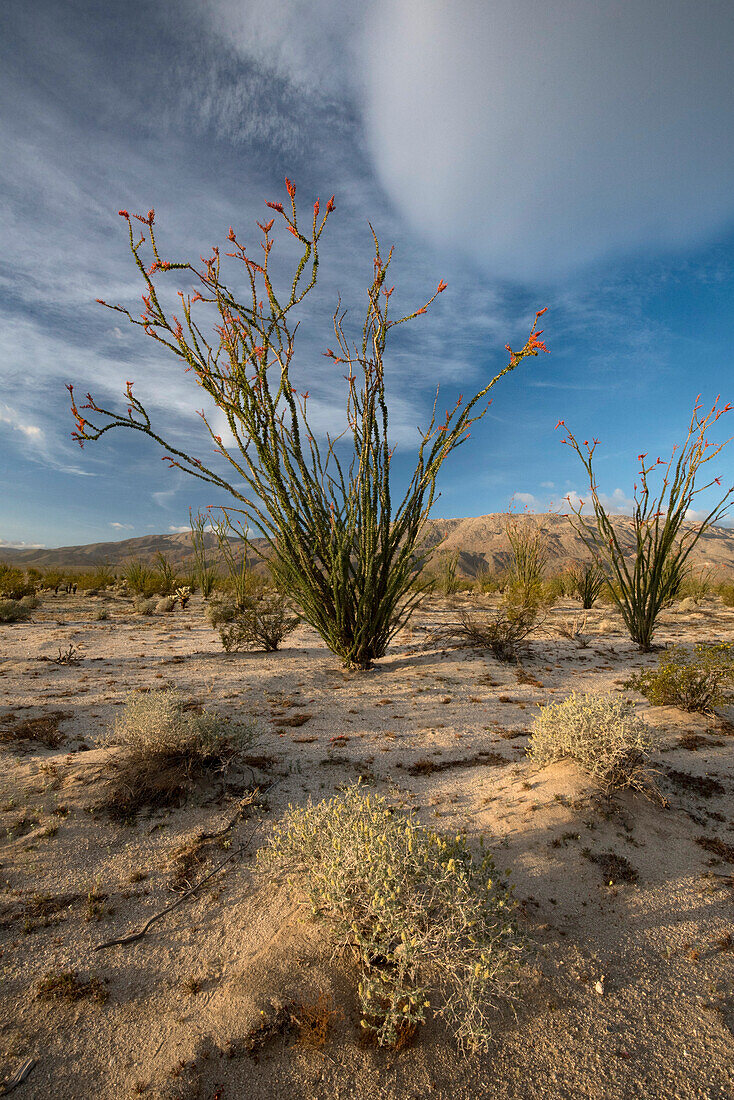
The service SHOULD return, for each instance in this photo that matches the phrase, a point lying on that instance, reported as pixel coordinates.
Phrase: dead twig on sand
(134, 936)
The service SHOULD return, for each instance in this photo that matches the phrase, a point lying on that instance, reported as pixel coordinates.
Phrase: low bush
(14, 611)
(165, 605)
(167, 746)
(263, 625)
(101, 615)
(423, 915)
(14, 584)
(145, 606)
(694, 681)
(602, 733)
(503, 631)
(726, 591)
(219, 611)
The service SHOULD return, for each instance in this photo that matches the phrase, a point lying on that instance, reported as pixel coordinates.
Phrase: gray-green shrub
(424, 916)
(696, 681)
(601, 733)
(14, 611)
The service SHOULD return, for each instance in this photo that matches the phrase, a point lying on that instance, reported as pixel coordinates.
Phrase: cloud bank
(538, 138)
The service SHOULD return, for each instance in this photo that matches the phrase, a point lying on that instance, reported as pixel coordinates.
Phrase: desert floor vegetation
(613, 955)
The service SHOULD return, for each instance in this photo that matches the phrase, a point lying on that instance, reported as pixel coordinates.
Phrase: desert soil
(627, 989)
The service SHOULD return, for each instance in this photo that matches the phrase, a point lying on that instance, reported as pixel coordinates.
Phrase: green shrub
(14, 584)
(726, 591)
(692, 681)
(167, 745)
(422, 914)
(31, 602)
(14, 611)
(141, 580)
(219, 611)
(600, 732)
(165, 605)
(263, 625)
(145, 606)
(503, 631)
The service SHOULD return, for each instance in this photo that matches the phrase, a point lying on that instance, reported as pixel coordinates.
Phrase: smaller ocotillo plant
(204, 575)
(588, 581)
(643, 586)
(528, 560)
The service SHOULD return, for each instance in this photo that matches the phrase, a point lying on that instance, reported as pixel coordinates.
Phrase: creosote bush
(263, 624)
(428, 921)
(602, 733)
(692, 681)
(340, 545)
(167, 745)
(14, 584)
(503, 631)
(14, 611)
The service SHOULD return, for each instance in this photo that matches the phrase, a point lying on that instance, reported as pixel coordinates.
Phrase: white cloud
(547, 485)
(539, 137)
(123, 526)
(13, 419)
(617, 503)
(525, 498)
(10, 545)
(178, 530)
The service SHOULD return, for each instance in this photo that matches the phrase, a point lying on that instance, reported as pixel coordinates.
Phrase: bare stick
(124, 940)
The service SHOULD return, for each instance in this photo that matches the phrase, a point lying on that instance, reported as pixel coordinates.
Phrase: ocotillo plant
(645, 583)
(204, 574)
(338, 545)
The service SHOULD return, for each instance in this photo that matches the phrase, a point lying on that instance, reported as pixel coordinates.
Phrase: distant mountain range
(478, 543)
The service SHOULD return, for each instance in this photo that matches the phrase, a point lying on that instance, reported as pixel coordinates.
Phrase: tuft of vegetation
(14, 584)
(426, 919)
(503, 631)
(66, 985)
(264, 624)
(726, 592)
(694, 681)
(167, 746)
(101, 615)
(602, 733)
(588, 580)
(165, 605)
(145, 606)
(14, 611)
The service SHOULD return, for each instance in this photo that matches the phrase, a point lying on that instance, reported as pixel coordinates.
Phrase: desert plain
(625, 903)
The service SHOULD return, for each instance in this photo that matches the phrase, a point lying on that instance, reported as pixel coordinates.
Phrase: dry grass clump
(168, 745)
(66, 985)
(423, 916)
(145, 606)
(165, 605)
(692, 681)
(602, 733)
(503, 631)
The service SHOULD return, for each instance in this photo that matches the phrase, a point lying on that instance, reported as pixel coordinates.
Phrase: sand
(627, 989)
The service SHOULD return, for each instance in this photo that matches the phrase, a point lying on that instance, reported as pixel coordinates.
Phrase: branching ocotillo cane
(646, 578)
(337, 545)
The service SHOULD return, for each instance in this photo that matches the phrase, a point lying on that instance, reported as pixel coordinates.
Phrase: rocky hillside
(478, 541)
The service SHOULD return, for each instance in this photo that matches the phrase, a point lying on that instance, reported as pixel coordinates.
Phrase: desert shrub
(490, 583)
(14, 584)
(602, 733)
(31, 602)
(503, 631)
(698, 586)
(14, 611)
(96, 580)
(694, 681)
(264, 624)
(726, 592)
(423, 915)
(145, 606)
(101, 615)
(167, 745)
(141, 580)
(650, 575)
(165, 605)
(220, 611)
(587, 582)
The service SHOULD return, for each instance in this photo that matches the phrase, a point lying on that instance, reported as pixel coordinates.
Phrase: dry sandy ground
(628, 988)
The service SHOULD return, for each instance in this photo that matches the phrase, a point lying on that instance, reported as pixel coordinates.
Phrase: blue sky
(574, 155)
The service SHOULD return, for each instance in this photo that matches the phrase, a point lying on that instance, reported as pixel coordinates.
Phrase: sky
(568, 154)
